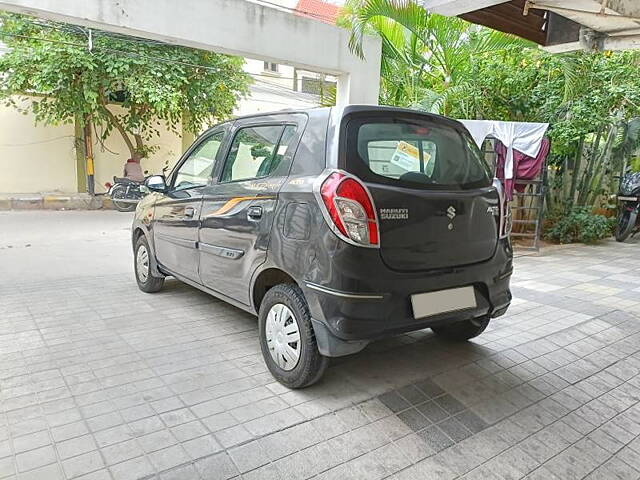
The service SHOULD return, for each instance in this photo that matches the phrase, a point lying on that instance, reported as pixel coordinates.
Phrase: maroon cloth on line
(524, 167)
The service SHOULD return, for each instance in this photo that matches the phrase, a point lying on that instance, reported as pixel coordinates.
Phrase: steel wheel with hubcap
(147, 282)
(287, 340)
(283, 336)
(142, 263)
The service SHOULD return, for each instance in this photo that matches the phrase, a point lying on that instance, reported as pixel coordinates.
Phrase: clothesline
(526, 139)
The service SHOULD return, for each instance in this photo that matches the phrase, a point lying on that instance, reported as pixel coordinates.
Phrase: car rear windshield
(415, 153)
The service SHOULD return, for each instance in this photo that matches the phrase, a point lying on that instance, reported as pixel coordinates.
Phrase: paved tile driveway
(101, 381)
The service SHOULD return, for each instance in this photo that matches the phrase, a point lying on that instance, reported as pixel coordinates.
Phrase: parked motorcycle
(126, 193)
(629, 195)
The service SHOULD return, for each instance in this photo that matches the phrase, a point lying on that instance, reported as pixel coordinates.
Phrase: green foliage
(153, 82)
(427, 59)
(580, 225)
(576, 93)
(448, 66)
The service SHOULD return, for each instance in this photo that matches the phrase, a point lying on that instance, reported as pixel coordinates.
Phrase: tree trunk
(138, 153)
(113, 119)
(81, 164)
(576, 171)
(586, 176)
(600, 166)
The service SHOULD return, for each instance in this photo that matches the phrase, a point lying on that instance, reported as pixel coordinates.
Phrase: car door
(177, 212)
(238, 211)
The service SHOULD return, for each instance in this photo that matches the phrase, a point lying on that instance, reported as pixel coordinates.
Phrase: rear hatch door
(431, 186)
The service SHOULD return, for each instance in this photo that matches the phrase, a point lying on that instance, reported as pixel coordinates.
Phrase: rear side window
(415, 153)
(257, 151)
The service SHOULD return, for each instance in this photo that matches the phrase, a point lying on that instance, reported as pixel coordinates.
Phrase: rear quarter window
(414, 153)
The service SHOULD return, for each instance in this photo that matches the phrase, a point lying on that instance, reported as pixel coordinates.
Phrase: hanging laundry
(523, 137)
(524, 166)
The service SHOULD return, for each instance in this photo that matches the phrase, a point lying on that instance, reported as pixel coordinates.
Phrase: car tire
(147, 282)
(462, 331)
(281, 306)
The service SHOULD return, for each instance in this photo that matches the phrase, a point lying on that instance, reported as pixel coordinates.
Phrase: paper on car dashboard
(407, 157)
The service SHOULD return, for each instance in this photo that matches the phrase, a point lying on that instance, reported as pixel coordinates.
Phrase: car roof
(339, 112)
(287, 111)
(359, 107)
(363, 109)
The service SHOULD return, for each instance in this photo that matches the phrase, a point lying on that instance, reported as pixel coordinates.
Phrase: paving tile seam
(558, 419)
(393, 442)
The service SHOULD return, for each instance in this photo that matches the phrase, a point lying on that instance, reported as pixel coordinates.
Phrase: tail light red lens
(351, 209)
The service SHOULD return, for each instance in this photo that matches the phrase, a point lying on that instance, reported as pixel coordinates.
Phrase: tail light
(108, 185)
(350, 210)
(506, 222)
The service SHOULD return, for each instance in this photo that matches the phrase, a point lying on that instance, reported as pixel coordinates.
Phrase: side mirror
(156, 183)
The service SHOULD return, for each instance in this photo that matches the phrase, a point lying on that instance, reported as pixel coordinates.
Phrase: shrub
(580, 225)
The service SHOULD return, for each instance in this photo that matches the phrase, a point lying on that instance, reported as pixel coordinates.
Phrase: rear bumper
(369, 301)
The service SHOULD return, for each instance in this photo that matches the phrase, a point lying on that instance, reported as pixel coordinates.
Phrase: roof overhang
(557, 25)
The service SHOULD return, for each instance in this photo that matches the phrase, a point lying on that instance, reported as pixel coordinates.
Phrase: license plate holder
(443, 301)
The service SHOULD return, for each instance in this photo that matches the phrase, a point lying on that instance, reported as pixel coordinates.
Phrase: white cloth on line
(525, 137)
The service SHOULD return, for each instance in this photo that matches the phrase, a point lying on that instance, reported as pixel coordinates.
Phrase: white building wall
(35, 158)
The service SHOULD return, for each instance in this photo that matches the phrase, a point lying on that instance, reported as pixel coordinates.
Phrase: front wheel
(461, 331)
(147, 282)
(287, 339)
(119, 199)
(626, 222)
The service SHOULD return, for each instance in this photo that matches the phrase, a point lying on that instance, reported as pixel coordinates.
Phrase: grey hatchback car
(336, 226)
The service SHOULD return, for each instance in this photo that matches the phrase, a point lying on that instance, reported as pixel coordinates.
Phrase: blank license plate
(433, 303)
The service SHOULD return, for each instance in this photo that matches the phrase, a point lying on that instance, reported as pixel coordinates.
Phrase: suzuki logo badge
(451, 213)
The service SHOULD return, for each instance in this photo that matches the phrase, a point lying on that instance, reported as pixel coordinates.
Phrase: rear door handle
(254, 213)
(189, 212)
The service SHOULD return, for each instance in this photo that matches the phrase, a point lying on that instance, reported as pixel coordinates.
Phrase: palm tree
(426, 58)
